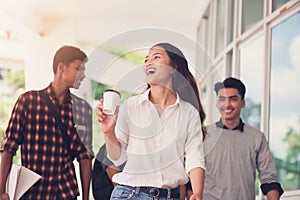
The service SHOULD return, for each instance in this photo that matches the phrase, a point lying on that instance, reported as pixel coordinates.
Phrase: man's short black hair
(231, 83)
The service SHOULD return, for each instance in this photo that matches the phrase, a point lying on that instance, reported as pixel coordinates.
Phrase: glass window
(204, 32)
(252, 12)
(252, 65)
(229, 63)
(277, 4)
(220, 26)
(206, 28)
(284, 101)
(231, 21)
(218, 75)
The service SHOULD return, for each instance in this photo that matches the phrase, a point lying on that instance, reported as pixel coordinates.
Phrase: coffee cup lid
(112, 90)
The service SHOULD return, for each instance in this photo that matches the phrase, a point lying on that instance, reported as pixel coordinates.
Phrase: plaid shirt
(32, 125)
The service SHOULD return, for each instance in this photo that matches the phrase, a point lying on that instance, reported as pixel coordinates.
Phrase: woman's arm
(197, 181)
(107, 124)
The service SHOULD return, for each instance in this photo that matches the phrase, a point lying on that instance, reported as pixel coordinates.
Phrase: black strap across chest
(58, 121)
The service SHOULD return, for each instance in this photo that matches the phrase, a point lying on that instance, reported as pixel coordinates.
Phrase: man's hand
(6, 162)
(273, 195)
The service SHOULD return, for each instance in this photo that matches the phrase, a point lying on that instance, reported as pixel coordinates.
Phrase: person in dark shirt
(44, 149)
(103, 171)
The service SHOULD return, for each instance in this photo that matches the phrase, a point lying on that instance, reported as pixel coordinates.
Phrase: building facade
(258, 41)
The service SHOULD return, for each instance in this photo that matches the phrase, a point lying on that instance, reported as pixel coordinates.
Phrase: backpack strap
(58, 121)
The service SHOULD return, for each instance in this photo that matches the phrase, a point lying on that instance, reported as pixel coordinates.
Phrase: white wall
(36, 51)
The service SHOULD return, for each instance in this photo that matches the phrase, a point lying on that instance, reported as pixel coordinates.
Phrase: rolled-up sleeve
(194, 154)
(266, 168)
(14, 131)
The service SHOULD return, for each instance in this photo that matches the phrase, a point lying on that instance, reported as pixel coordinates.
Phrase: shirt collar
(145, 97)
(50, 91)
(239, 127)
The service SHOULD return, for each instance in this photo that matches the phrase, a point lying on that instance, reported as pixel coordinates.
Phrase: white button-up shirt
(159, 150)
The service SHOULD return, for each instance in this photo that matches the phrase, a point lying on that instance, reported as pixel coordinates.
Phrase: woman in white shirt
(158, 133)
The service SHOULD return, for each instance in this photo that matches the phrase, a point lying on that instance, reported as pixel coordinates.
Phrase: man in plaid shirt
(43, 148)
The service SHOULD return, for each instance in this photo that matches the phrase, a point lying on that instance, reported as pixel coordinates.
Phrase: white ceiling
(92, 23)
(95, 21)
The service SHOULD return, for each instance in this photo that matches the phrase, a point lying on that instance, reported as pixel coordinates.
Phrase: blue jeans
(123, 192)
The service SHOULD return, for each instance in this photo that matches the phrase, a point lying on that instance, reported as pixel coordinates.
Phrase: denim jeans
(123, 192)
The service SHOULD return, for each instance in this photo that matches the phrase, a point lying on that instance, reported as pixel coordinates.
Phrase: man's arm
(5, 166)
(272, 190)
(267, 171)
(273, 195)
(85, 166)
(189, 190)
(111, 170)
(183, 192)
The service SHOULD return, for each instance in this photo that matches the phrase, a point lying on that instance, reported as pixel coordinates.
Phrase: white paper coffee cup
(110, 101)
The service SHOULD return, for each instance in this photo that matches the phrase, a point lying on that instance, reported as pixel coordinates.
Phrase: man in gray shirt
(235, 150)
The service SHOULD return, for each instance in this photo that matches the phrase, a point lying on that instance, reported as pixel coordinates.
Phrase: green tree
(292, 137)
(134, 57)
(16, 86)
(251, 113)
(291, 164)
(16, 79)
(98, 89)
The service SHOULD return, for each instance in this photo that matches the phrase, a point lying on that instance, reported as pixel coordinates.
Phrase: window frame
(262, 27)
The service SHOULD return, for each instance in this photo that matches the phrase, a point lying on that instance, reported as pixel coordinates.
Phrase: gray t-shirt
(232, 157)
